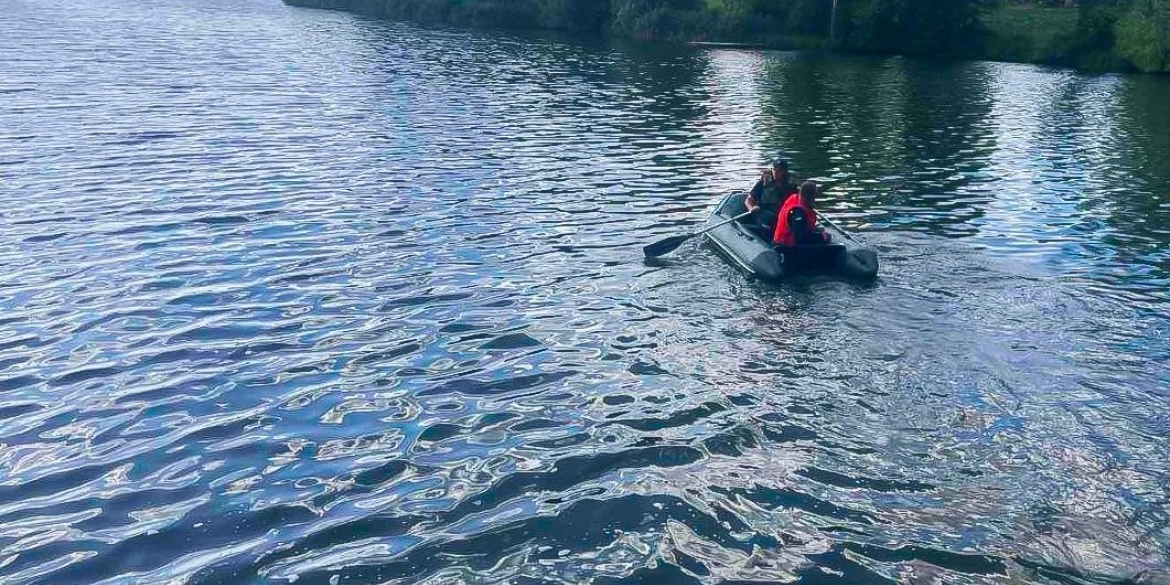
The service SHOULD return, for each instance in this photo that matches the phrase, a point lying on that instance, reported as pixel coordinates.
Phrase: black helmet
(809, 189)
(780, 162)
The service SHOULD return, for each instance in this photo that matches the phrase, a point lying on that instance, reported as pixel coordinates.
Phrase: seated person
(797, 222)
(768, 194)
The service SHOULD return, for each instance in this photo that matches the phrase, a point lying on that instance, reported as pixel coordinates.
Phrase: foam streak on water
(295, 295)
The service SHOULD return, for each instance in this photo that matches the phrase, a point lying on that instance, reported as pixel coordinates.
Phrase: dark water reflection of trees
(902, 138)
(1143, 118)
(1043, 161)
(1070, 167)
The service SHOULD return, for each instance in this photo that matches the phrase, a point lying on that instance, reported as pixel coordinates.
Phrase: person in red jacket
(797, 223)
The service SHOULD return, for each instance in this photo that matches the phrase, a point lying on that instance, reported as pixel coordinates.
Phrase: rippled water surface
(296, 295)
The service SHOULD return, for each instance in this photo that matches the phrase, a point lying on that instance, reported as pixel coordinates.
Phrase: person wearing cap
(774, 186)
(797, 221)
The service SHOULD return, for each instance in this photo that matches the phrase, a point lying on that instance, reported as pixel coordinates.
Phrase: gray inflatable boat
(738, 241)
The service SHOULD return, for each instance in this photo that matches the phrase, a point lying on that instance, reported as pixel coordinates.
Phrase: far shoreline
(1024, 43)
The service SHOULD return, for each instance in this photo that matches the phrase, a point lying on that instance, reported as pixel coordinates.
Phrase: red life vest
(784, 236)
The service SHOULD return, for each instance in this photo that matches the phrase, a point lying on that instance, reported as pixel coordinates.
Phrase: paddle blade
(663, 247)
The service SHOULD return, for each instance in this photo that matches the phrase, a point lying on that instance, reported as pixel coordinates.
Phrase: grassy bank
(1116, 35)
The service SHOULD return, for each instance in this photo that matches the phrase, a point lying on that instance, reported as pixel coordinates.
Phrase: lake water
(297, 295)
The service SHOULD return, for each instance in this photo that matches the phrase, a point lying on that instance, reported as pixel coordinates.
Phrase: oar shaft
(671, 244)
(839, 228)
(719, 225)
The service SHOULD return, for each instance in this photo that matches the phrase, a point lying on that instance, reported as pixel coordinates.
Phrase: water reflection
(891, 136)
(295, 294)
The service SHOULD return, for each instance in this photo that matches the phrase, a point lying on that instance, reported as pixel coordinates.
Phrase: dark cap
(781, 162)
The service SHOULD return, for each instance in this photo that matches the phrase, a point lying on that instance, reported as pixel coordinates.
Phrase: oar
(840, 229)
(664, 247)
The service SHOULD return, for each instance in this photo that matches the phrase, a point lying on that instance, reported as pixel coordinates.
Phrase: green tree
(809, 17)
(582, 15)
(913, 26)
(1095, 21)
(1141, 35)
(657, 18)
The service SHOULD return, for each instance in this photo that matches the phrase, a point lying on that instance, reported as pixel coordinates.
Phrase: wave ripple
(295, 295)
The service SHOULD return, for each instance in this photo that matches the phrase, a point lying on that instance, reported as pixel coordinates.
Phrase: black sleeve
(758, 191)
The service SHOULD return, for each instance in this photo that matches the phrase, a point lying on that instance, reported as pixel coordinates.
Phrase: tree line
(1113, 34)
(1137, 31)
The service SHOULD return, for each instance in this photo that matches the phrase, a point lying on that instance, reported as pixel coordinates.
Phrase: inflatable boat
(844, 255)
